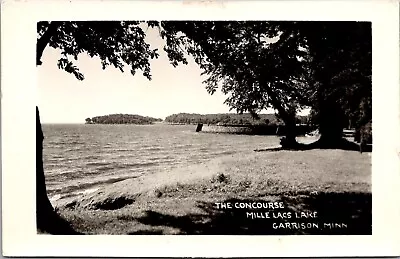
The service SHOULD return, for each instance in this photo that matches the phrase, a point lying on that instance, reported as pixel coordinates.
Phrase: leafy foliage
(116, 43)
(284, 65)
(258, 64)
(341, 61)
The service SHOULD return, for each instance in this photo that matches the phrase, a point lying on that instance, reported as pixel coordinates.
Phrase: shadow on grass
(337, 214)
(342, 144)
(54, 224)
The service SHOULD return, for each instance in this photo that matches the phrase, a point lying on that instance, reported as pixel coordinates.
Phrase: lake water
(79, 158)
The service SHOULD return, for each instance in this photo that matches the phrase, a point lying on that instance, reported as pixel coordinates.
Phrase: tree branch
(44, 40)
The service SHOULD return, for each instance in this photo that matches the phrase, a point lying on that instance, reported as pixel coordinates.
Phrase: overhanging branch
(44, 40)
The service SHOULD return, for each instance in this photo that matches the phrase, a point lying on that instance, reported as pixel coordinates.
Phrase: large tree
(341, 62)
(286, 66)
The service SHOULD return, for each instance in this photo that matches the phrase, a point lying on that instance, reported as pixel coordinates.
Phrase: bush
(364, 134)
(366, 137)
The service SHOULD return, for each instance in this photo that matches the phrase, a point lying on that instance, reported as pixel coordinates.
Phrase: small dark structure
(199, 127)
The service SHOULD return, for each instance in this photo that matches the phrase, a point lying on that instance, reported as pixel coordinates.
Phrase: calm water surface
(79, 158)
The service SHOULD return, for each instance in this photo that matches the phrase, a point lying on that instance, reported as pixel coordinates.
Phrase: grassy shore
(336, 184)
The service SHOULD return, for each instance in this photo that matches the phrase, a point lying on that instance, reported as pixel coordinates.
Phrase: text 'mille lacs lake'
(245, 128)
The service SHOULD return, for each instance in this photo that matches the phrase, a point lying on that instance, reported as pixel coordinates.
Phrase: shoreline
(169, 175)
(54, 197)
(293, 177)
(147, 182)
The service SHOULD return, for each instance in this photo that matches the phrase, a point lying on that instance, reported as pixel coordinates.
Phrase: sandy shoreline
(160, 203)
(186, 173)
(146, 183)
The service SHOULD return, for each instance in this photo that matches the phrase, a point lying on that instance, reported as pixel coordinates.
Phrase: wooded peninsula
(122, 119)
(229, 119)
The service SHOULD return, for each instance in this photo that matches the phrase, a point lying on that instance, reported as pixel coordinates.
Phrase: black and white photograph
(204, 127)
(283, 148)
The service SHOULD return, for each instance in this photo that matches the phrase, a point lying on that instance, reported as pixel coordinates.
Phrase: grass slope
(334, 183)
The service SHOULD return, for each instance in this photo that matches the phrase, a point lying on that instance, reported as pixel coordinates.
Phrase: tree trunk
(44, 209)
(331, 123)
(289, 140)
(289, 118)
(290, 133)
(47, 220)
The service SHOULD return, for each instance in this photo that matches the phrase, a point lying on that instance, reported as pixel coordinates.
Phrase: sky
(64, 99)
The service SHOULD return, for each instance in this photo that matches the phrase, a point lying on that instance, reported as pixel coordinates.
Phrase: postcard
(220, 128)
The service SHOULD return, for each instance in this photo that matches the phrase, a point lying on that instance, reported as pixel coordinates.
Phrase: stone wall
(247, 130)
(250, 129)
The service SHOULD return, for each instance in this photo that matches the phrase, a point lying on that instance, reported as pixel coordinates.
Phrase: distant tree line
(229, 119)
(121, 119)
